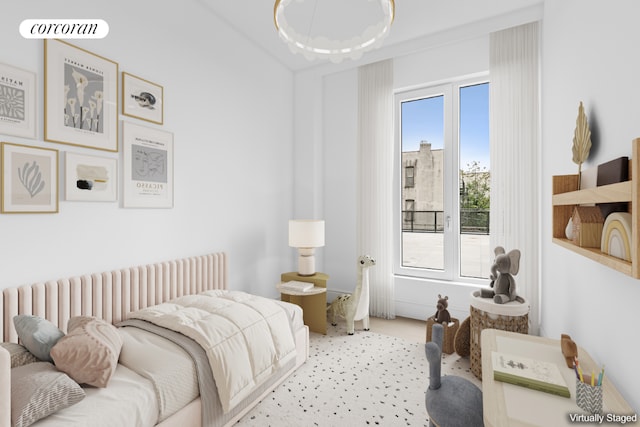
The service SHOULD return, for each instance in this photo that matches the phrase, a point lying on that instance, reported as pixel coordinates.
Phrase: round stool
(451, 401)
(485, 313)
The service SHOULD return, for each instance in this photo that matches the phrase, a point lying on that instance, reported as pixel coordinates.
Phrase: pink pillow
(89, 352)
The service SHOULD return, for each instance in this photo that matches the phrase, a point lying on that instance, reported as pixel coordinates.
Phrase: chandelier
(311, 39)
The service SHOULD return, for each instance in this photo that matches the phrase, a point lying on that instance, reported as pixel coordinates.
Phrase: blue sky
(422, 120)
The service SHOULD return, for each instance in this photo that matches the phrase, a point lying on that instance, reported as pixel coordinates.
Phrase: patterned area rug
(359, 380)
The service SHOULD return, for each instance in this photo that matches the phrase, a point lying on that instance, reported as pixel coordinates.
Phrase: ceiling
(414, 19)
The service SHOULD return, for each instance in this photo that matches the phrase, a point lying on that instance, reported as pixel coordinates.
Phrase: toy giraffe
(354, 306)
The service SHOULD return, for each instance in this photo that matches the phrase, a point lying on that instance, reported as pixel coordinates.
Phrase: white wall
(233, 149)
(590, 56)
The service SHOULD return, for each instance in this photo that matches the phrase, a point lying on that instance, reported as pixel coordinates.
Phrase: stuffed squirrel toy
(505, 266)
(442, 314)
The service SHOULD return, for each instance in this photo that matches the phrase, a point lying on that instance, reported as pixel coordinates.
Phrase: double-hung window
(443, 177)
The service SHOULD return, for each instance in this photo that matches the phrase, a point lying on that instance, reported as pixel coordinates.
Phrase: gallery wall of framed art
(81, 108)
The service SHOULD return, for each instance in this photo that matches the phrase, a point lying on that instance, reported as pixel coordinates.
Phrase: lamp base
(306, 262)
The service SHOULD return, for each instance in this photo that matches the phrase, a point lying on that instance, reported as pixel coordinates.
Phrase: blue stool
(451, 401)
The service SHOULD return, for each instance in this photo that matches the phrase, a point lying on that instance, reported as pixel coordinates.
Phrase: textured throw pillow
(37, 334)
(89, 352)
(19, 354)
(39, 390)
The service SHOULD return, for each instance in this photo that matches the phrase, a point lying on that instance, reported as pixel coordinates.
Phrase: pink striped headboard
(111, 295)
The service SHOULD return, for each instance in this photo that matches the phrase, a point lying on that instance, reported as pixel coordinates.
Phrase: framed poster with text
(17, 102)
(147, 167)
(80, 97)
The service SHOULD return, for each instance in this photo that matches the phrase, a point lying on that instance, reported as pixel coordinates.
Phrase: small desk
(508, 405)
(313, 303)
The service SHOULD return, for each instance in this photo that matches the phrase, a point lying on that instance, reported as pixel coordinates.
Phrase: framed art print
(80, 97)
(17, 102)
(142, 99)
(90, 178)
(147, 167)
(29, 179)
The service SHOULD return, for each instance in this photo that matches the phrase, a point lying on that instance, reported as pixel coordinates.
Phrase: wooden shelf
(620, 192)
(566, 196)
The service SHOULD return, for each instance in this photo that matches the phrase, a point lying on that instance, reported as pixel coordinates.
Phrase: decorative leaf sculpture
(581, 141)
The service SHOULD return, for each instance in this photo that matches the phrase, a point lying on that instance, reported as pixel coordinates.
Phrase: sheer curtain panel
(375, 179)
(515, 152)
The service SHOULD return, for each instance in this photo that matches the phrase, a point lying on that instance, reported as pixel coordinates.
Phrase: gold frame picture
(29, 179)
(80, 97)
(142, 99)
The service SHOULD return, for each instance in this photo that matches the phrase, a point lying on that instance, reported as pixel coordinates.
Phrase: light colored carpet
(359, 380)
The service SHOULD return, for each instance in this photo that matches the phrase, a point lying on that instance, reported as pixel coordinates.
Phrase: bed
(130, 298)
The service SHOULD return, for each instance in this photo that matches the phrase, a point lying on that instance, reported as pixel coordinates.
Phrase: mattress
(129, 400)
(143, 391)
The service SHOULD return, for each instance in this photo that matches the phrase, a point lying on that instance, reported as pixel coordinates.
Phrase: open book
(531, 373)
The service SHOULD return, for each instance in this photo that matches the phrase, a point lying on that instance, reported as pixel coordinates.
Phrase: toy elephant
(505, 266)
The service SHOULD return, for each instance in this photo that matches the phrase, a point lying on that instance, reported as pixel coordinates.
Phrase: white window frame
(451, 182)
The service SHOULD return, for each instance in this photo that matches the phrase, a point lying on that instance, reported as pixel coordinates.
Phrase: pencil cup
(589, 397)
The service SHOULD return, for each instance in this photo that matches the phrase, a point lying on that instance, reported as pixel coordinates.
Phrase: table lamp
(306, 235)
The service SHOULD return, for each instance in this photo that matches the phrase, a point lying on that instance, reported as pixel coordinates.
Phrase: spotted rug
(359, 380)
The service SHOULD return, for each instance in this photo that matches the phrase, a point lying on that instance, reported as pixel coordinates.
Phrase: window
(408, 176)
(445, 130)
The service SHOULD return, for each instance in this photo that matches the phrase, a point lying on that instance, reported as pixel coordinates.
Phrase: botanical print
(83, 98)
(30, 179)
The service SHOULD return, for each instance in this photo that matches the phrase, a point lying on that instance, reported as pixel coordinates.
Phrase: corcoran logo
(64, 29)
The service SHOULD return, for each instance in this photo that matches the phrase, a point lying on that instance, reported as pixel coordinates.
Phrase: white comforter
(246, 337)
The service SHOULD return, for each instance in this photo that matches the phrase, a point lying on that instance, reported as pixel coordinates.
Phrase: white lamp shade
(306, 233)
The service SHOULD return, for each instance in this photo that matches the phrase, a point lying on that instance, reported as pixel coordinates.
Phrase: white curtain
(375, 178)
(515, 153)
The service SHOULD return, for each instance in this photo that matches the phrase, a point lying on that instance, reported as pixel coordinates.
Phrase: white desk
(508, 405)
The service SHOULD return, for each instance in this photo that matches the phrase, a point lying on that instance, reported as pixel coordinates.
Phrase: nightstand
(313, 302)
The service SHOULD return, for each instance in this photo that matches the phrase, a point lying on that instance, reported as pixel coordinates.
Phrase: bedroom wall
(589, 55)
(232, 156)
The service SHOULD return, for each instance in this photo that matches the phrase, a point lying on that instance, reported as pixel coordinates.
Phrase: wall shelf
(566, 196)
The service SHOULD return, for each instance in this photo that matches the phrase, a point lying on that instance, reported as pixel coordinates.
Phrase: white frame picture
(18, 116)
(90, 178)
(147, 167)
